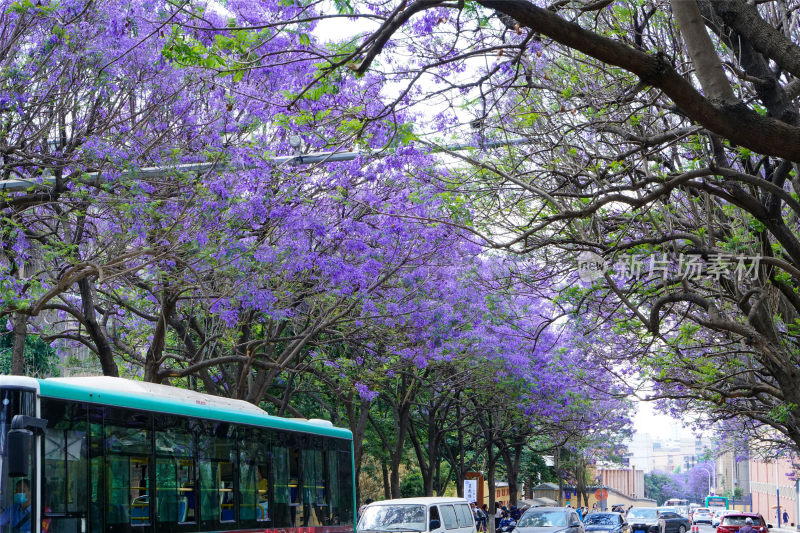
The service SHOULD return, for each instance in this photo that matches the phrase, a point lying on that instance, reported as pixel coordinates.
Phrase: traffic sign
(600, 494)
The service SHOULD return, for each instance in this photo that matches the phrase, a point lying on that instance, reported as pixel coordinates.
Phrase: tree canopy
(176, 201)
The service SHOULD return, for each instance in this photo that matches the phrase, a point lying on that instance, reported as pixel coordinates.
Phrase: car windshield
(667, 510)
(543, 519)
(393, 518)
(602, 519)
(733, 520)
(643, 512)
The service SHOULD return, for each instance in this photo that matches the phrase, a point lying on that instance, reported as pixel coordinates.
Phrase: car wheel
(682, 529)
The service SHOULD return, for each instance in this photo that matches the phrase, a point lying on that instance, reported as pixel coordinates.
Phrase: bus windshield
(716, 502)
(15, 493)
(679, 505)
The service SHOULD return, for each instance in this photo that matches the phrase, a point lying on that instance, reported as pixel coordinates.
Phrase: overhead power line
(199, 168)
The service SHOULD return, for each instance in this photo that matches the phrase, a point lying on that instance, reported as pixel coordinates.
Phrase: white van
(418, 515)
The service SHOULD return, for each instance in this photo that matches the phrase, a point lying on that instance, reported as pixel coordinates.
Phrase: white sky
(647, 420)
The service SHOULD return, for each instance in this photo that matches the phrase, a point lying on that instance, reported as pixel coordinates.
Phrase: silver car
(550, 520)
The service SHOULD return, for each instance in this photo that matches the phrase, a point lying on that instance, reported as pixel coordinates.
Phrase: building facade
(772, 485)
(625, 481)
(733, 477)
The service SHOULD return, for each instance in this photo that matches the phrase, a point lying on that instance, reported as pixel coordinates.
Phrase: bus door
(19, 464)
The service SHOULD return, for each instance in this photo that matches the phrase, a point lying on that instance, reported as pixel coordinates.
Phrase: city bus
(102, 454)
(682, 506)
(715, 503)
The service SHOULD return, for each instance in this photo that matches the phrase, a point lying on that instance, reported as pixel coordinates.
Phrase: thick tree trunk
(402, 414)
(740, 125)
(490, 484)
(460, 469)
(155, 352)
(20, 331)
(560, 477)
(358, 425)
(512, 456)
(580, 482)
(96, 333)
(385, 471)
(425, 462)
(707, 66)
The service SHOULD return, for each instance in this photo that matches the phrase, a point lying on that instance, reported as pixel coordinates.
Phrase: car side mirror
(769, 526)
(434, 525)
(577, 523)
(624, 524)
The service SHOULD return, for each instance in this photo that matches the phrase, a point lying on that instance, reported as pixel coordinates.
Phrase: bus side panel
(109, 469)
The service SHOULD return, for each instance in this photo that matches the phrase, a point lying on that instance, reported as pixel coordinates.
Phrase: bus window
(297, 516)
(216, 455)
(175, 472)
(64, 491)
(15, 402)
(128, 450)
(281, 515)
(315, 508)
(346, 510)
(334, 497)
(254, 477)
(96, 469)
(227, 512)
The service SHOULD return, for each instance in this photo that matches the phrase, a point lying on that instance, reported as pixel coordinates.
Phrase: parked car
(702, 516)
(550, 520)
(610, 522)
(732, 521)
(673, 521)
(423, 515)
(644, 520)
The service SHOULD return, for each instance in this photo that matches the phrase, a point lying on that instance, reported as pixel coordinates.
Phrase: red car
(731, 523)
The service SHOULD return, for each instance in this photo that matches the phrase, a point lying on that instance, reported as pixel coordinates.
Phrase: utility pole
(733, 478)
(777, 494)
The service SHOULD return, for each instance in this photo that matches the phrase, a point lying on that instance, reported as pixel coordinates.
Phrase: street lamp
(709, 478)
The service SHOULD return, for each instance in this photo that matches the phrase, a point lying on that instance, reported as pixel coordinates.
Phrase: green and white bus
(100, 454)
(716, 503)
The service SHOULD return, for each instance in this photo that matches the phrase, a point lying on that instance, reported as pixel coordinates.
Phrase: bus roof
(165, 399)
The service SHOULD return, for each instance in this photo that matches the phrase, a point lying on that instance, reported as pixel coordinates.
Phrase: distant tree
(412, 486)
(661, 486)
(40, 359)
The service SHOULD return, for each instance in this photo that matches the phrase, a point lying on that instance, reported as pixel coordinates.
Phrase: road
(705, 528)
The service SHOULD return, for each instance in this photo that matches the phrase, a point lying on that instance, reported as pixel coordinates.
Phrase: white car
(423, 515)
(702, 514)
(717, 516)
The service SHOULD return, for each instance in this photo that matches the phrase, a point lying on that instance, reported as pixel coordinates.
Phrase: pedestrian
(18, 515)
(785, 517)
(361, 509)
(498, 511)
(484, 517)
(506, 522)
(748, 526)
